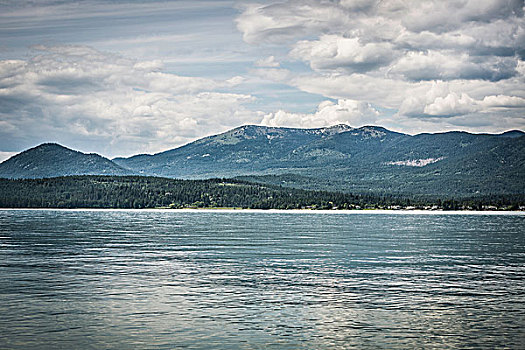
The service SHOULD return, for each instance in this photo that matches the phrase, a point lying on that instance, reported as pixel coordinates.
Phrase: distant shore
(297, 211)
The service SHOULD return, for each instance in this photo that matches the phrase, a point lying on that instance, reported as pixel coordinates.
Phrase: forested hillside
(353, 160)
(153, 192)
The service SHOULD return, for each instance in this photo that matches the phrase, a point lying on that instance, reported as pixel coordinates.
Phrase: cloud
(267, 62)
(440, 16)
(432, 65)
(454, 104)
(410, 65)
(501, 101)
(440, 101)
(451, 105)
(328, 113)
(78, 95)
(455, 60)
(452, 112)
(6, 155)
(278, 22)
(356, 86)
(336, 52)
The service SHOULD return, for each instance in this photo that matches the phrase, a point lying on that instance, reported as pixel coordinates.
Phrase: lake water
(118, 279)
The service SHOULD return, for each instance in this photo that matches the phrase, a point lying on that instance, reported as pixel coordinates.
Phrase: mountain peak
(341, 126)
(53, 159)
(250, 131)
(371, 131)
(49, 145)
(335, 129)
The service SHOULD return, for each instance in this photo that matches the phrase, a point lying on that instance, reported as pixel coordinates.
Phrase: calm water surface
(259, 280)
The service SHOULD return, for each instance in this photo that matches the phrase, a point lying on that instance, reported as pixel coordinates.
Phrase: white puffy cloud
(451, 105)
(440, 100)
(336, 52)
(328, 113)
(450, 62)
(77, 95)
(276, 21)
(452, 113)
(502, 101)
(431, 41)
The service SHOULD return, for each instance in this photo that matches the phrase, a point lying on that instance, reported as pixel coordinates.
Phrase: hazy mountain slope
(52, 160)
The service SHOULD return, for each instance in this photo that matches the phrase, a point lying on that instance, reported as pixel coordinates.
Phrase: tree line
(154, 192)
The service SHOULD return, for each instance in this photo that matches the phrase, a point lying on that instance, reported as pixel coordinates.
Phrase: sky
(126, 77)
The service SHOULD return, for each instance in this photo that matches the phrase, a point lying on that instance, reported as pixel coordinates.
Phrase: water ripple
(241, 280)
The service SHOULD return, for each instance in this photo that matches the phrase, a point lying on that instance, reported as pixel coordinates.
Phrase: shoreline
(288, 211)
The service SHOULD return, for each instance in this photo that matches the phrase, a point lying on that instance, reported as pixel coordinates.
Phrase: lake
(162, 279)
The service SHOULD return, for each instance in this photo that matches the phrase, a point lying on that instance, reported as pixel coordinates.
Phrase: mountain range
(360, 160)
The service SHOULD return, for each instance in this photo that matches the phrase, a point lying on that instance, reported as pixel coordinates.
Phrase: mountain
(342, 158)
(52, 160)
(244, 150)
(366, 160)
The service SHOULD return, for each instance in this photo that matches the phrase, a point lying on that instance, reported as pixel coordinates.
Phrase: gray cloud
(78, 95)
(332, 52)
(440, 16)
(435, 65)
(284, 21)
(180, 70)
(395, 54)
